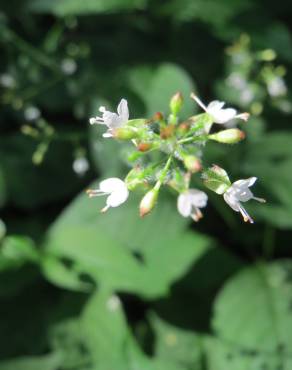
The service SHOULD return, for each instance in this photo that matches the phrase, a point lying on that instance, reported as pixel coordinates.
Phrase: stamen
(104, 209)
(261, 200)
(197, 214)
(244, 116)
(245, 215)
(198, 101)
(95, 193)
(92, 120)
(102, 109)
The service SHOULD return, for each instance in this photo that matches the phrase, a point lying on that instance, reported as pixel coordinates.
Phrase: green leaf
(48, 362)
(56, 271)
(176, 345)
(273, 168)
(211, 11)
(157, 85)
(76, 7)
(110, 341)
(253, 317)
(104, 245)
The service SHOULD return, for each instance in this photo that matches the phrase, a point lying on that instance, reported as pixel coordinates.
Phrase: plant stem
(163, 173)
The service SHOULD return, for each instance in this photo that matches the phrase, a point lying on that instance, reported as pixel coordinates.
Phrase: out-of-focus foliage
(85, 291)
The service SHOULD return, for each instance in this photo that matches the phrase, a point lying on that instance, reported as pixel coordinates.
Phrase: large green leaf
(110, 341)
(48, 362)
(179, 346)
(157, 85)
(273, 153)
(253, 319)
(122, 251)
(186, 10)
(77, 7)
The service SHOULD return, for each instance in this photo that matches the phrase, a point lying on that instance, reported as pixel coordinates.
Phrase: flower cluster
(168, 152)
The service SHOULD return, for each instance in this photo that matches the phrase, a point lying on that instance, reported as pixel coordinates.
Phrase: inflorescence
(168, 152)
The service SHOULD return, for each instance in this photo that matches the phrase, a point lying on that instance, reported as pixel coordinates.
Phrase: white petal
(245, 183)
(107, 134)
(184, 205)
(231, 201)
(123, 110)
(198, 198)
(112, 184)
(215, 105)
(117, 197)
(224, 115)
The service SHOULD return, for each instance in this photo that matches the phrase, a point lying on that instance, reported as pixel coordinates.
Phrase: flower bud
(176, 103)
(144, 147)
(167, 131)
(192, 163)
(148, 202)
(125, 133)
(158, 116)
(216, 179)
(229, 136)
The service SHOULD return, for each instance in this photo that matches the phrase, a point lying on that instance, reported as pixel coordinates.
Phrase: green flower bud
(176, 103)
(192, 163)
(216, 179)
(136, 177)
(229, 136)
(125, 133)
(148, 202)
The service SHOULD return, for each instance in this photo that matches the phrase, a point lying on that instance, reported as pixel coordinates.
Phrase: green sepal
(216, 179)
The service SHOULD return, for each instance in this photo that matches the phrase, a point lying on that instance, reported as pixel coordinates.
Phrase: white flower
(112, 120)
(115, 188)
(80, 165)
(239, 192)
(32, 113)
(218, 113)
(190, 202)
(68, 66)
(277, 87)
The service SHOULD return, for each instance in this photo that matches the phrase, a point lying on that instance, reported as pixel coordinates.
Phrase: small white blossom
(239, 192)
(219, 114)
(115, 188)
(80, 166)
(277, 87)
(68, 66)
(112, 120)
(190, 202)
(31, 113)
(6, 80)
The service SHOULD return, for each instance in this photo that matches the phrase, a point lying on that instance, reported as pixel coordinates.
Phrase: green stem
(163, 173)
(192, 139)
(24, 46)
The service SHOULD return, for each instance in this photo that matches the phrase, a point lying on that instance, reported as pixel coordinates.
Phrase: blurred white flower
(218, 113)
(115, 188)
(31, 113)
(112, 120)
(6, 80)
(236, 81)
(277, 87)
(239, 192)
(80, 165)
(190, 202)
(68, 66)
